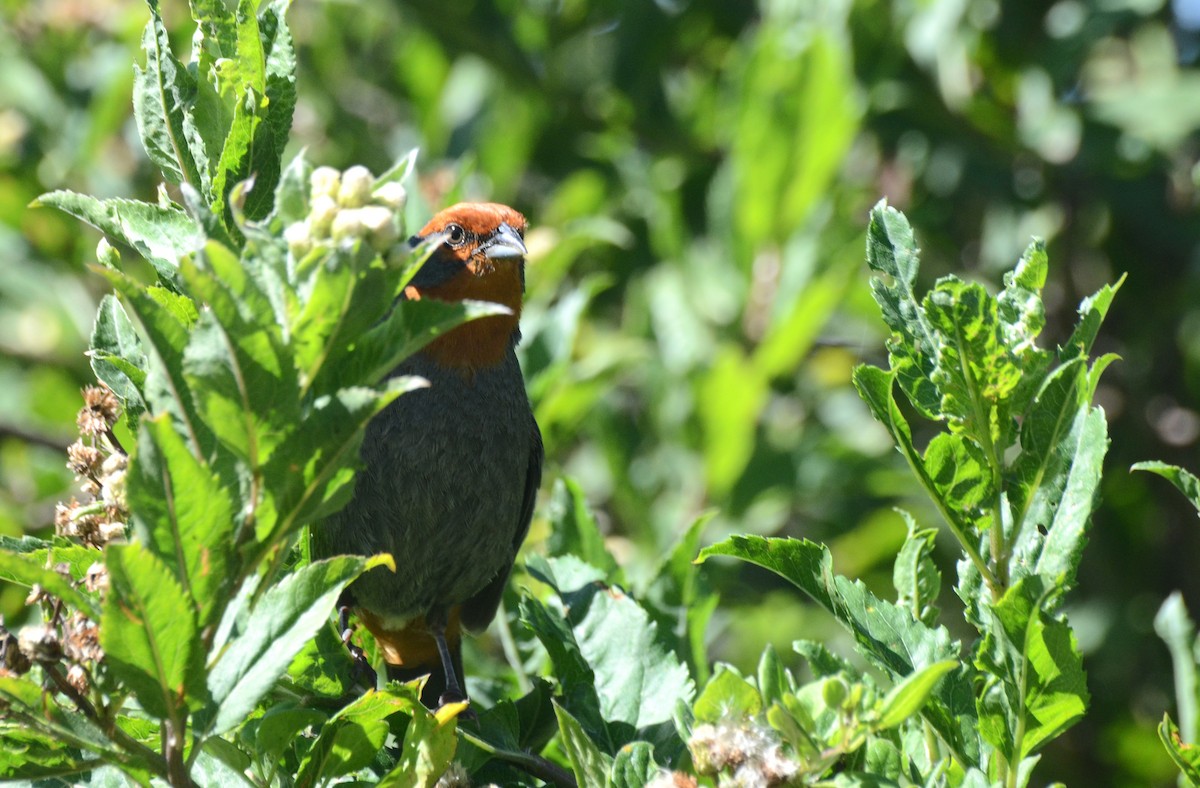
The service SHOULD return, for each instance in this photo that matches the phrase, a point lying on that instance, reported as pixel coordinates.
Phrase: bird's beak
(505, 242)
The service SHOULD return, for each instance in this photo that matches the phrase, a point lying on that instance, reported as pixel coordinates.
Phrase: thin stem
(536, 765)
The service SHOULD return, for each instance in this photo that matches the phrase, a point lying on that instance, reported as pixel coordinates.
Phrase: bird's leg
(362, 667)
(454, 693)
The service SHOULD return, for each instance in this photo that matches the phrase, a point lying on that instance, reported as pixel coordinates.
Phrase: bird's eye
(455, 235)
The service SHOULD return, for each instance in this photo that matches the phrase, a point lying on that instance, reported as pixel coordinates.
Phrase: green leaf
(892, 251)
(729, 399)
(1048, 437)
(1086, 445)
(961, 477)
(1185, 754)
(680, 598)
(161, 234)
(1092, 311)
(407, 328)
(430, 742)
(727, 695)
(116, 354)
(350, 739)
(914, 574)
(285, 618)
(279, 726)
(148, 629)
(773, 678)
(323, 666)
(634, 766)
(27, 754)
(906, 698)
(164, 324)
(591, 766)
(311, 473)
(783, 155)
(573, 529)
(260, 81)
(30, 569)
(1034, 685)
(976, 372)
(185, 514)
(1184, 481)
(637, 676)
(1175, 627)
(574, 674)
(345, 297)
(885, 634)
(162, 96)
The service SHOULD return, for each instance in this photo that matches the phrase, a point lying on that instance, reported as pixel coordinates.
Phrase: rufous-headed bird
(450, 472)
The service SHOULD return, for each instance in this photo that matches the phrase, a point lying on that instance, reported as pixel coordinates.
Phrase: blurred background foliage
(698, 174)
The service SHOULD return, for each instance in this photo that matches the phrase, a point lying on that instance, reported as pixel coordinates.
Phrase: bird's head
(480, 255)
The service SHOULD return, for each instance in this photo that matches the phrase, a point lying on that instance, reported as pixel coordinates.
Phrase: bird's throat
(485, 341)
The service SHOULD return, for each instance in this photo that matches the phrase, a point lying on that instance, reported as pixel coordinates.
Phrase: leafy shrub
(186, 635)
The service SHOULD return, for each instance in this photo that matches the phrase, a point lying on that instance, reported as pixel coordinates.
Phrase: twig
(535, 765)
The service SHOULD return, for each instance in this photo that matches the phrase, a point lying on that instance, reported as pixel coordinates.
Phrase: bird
(450, 472)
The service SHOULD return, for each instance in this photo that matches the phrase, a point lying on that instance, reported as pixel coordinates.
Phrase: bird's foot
(451, 696)
(362, 671)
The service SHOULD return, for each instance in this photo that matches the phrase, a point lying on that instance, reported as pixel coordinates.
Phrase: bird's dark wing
(478, 611)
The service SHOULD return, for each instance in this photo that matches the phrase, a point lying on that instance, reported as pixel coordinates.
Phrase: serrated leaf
(284, 619)
(260, 82)
(1092, 311)
(976, 372)
(311, 473)
(906, 698)
(1065, 541)
(165, 335)
(1034, 686)
(914, 574)
(184, 513)
(30, 569)
(279, 726)
(590, 765)
(885, 634)
(430, 742)
(406, 329)
(681, 599)
(350, 739)
(1183, 480)
(148, 629)
(162, 95)
(572, 671)
(116, 354)
(637, 675)
(573, 529)
(892, 251)
(161, 234)
(961, 478)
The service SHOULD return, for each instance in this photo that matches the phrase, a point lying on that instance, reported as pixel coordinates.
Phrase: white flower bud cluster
(345, 207)
(749, 754)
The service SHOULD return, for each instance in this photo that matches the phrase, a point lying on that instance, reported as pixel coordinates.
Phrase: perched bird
(450, 471)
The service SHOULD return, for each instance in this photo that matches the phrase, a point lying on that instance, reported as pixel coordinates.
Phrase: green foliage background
(698, 175)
